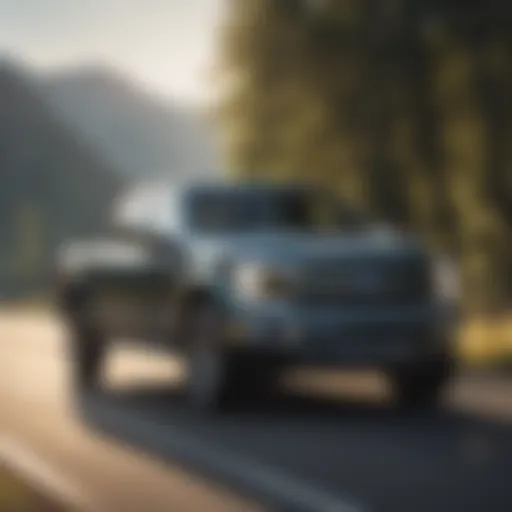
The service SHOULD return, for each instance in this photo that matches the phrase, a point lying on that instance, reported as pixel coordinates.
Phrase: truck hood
(290, 248)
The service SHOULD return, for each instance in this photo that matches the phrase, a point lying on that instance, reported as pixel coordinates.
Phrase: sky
(167, 44)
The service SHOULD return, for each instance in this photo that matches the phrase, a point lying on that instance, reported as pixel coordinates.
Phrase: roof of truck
(184, 186)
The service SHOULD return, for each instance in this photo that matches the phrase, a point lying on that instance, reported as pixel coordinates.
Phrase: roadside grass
(487, 342)
(16, 495)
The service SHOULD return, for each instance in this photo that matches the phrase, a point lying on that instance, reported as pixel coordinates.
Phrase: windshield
(243, 210)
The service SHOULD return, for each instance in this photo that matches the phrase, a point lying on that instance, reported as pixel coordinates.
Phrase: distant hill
(52, 184)
(138, 132)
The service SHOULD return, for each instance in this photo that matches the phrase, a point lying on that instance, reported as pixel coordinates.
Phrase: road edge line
(270, 480)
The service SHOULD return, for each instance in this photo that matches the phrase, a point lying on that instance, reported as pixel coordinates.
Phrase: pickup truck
(245, 279)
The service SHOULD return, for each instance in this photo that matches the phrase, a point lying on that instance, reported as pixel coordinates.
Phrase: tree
(403, 106)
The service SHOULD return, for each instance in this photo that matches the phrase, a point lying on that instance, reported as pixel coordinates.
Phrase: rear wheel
(87, 347)
(422, 384)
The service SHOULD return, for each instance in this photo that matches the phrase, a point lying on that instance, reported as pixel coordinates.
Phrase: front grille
(397, 280)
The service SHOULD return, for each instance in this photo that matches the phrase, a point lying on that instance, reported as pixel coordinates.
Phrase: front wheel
(218, 377)
(421, 384)
(208, 386)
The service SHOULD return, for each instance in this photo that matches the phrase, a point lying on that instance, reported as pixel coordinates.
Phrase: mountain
(138, 132)
(53, 185)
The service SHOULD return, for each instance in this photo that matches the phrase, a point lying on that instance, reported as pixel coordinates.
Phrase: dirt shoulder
(17, 495)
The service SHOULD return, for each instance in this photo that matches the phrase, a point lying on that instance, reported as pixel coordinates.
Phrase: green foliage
(406, 114)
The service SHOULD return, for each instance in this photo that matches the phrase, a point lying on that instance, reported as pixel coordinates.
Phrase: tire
(422, 385)
(256, 378)
(220, 379)
(88, 349)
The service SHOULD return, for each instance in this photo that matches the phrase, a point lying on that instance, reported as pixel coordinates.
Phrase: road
(327, 443)
(37, 420)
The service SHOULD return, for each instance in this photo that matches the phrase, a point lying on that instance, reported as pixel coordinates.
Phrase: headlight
(253, 281)
(446, 280)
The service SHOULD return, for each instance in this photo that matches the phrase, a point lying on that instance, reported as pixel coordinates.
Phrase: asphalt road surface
(327, 443)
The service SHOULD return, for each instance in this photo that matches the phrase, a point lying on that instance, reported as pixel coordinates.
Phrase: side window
(166, 212)
(149, 209)
(131, 211)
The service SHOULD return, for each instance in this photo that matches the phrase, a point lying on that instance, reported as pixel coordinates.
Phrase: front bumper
(348, 336)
